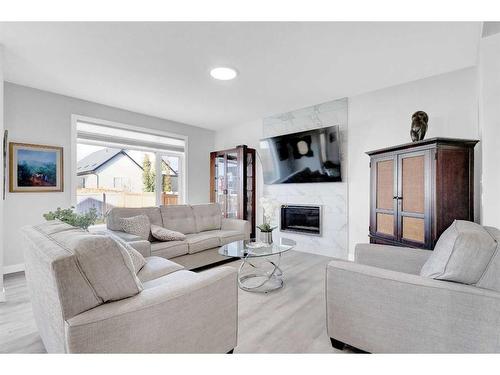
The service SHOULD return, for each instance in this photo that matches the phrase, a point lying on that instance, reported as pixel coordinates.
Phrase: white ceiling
(161, 69)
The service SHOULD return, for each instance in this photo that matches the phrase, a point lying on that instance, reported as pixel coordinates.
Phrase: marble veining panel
(332, 197)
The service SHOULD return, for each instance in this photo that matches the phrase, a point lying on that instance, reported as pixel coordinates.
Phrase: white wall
(382, 118)
(2, 292)
(35, 116)
(489, 73)
(331, 197)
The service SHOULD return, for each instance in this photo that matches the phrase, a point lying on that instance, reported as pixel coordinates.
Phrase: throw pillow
(164, 234)
(137, 259)
(461, 254)
(138, 225)
(106, 264)
(491, 277)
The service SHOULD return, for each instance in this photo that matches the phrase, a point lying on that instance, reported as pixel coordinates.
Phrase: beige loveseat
(205, 229)
(88, 297)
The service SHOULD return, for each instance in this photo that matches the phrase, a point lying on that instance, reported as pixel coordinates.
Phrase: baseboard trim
(13, 268)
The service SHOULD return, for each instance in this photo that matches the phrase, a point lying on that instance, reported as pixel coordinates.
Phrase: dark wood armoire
(232, 183)
(418, 189)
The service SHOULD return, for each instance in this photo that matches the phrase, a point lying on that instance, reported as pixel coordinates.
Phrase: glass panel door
(412, 189)
(220, 182)
(385, 197)
(232, 185)
(250, 187)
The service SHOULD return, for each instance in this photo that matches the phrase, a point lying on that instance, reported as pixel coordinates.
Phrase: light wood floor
(289, 320)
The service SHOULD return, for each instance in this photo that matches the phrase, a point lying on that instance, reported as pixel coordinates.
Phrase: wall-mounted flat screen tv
(308, 156)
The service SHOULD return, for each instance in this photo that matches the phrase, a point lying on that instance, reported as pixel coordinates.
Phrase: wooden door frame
(373, 197)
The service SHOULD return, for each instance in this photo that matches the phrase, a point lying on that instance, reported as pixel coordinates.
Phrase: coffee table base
(260, 281)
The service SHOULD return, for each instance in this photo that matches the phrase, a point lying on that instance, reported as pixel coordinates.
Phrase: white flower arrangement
(269, 207)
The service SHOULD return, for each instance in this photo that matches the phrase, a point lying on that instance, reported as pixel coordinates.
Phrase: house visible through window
(123, 168)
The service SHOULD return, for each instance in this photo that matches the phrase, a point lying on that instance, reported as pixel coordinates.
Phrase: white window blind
(117, 137)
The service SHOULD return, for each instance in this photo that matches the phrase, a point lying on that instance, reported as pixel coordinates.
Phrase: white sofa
(205, 228)
(87, 297)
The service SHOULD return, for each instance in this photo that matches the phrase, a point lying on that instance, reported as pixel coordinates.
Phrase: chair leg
(339, 345)
(230, 352)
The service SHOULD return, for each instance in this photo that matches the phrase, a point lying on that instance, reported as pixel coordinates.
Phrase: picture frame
(35, 168)
(5, 146)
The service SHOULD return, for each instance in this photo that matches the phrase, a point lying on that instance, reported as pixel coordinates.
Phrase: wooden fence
(103, 201)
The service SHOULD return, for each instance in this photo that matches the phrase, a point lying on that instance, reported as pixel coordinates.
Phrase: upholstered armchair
(380, 304)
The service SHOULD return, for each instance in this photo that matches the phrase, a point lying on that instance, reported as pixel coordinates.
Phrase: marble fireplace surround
(331, 196)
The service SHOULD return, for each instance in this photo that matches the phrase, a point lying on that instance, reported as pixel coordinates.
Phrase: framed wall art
(35, 168)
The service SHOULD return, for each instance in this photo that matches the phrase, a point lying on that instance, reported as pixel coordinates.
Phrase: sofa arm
(242, 226)
(142, 246)
(384, 311)
(139, 244)
(183, 312)
(124, 236)
(402, 259)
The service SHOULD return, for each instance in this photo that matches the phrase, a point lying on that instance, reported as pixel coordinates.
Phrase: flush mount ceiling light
(223, 73)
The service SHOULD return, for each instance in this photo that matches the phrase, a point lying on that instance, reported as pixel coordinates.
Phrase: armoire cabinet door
(413, 190)
(384, 212)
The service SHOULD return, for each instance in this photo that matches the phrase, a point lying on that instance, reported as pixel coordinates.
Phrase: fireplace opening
(301, 219)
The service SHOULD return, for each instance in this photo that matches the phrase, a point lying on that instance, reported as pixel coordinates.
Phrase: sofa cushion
(164, 234)
(226, 236)
(208, 216)
(202, 241)
(157, 267)
(461, 254)
(491, 276)
(115, 214)
(179, 218)
(181, 277)
(105, 262)
(137, 225)
(169, 249)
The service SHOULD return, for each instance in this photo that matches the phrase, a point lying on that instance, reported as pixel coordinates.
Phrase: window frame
(158, 153)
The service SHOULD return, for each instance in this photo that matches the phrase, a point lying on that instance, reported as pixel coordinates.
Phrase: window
(121, 183)
(81, 183)
(171, 176)
(120, 167)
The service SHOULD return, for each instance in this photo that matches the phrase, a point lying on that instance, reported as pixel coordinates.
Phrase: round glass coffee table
(254, 277)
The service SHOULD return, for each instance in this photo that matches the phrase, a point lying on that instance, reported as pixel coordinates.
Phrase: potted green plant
(69, 216)
(269, 208)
